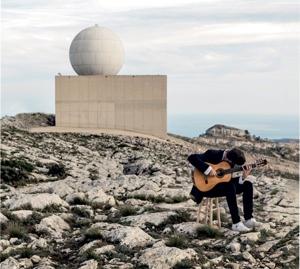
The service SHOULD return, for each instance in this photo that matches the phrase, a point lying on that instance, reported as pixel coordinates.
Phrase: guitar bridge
(205, 179)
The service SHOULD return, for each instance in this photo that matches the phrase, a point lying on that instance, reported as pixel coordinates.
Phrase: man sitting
(229, 189)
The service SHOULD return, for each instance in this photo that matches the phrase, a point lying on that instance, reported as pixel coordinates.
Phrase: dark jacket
(209, 156)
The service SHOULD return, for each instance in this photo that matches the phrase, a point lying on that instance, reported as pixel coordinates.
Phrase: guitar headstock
(261, 162)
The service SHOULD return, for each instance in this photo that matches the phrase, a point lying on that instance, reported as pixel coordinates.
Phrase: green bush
(178, 241)
(21, 252)
(81, 212)
(184, 264)
(80, 201)
(15, 172)
(127, 210)
(181, 216)
(208, 231)
(92, 234)
(15, 229)
(57, 170)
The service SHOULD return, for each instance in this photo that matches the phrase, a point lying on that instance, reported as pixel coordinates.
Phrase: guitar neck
(240, 168)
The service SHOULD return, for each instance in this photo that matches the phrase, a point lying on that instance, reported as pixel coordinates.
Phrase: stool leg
(199, 212)
(218, 212)
(211, 202)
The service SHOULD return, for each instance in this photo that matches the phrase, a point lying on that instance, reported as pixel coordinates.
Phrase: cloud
(193, 42)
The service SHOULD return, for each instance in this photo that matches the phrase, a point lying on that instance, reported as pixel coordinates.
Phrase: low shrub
(208, 231)
(92, 234)
(178, 241)
(15, 229)
(57, 170)
(127, 210)
(15, 172)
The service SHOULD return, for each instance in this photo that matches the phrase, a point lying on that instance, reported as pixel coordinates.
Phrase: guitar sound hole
(220, 173)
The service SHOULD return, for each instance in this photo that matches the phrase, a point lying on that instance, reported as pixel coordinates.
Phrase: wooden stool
(208, 207)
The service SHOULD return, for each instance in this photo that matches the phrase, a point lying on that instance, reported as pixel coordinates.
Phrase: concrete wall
(133, 103)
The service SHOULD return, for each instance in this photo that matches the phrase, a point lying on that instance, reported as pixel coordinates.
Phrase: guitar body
(206, 183)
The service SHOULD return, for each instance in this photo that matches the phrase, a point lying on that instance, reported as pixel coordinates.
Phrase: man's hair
(236, 156)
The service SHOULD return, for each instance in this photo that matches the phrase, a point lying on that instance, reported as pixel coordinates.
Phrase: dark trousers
(230, 190)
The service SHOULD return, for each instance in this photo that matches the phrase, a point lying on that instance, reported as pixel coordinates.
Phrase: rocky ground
(104, 201)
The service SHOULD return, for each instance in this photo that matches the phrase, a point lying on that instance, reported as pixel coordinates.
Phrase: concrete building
(98, 98)
(132, 103)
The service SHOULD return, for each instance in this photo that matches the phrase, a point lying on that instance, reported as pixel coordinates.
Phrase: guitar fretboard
(241, 168)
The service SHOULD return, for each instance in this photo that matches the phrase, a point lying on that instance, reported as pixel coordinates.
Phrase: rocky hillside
(103, 201)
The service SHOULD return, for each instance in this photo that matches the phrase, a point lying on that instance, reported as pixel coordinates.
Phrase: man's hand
(246, 170)
(212, 173)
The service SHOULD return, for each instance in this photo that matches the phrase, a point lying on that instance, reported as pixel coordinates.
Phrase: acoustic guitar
(224, 174)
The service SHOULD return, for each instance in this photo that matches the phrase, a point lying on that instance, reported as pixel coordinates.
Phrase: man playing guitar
(229, 189)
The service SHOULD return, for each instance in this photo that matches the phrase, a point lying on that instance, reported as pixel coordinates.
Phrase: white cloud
(204, 46)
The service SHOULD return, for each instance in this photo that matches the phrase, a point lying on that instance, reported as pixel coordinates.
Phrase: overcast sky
(220, 56)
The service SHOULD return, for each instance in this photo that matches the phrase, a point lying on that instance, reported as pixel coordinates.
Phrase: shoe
(240, 227)
(252, 223)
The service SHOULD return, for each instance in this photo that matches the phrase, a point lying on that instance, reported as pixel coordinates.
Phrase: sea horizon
(264, 126)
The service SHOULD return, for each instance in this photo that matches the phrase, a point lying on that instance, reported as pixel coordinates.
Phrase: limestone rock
(130, 237)
(3, 219)
(54, 224)
(247, 256)
(36, 201)
(98, 196)
(3, 244)
(25, 263)
(187, 228)
(233, 265)
(9, 263)
(88, 246)
(35, 259)
(22, 214)
(250, 237)
(156, 218)
(61, 188)
(137, 168)
(127, 237)
(165, 257)
(38, 243)
(90, 264)
(267, 246)
(235, 247)
(104, 249)
(216, 260)
(70, 198)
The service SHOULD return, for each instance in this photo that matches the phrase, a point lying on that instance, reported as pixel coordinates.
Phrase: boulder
(9, 263)
(126, 236)
(104, 249)
(155, 219)
(267, 246)
(235, 247)
(54, 225)
(38, 243)
(165, 257)
(35, 201)
(247, 256)
(70, 198)
(25, 263)
(88, 246)
(187, 228)
(90, 264)
(22, 214)
(250, 237)
(3, 219)
(137, 168)
(98, 196)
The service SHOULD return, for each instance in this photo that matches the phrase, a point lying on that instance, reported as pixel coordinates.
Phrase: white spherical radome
(96, 51)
